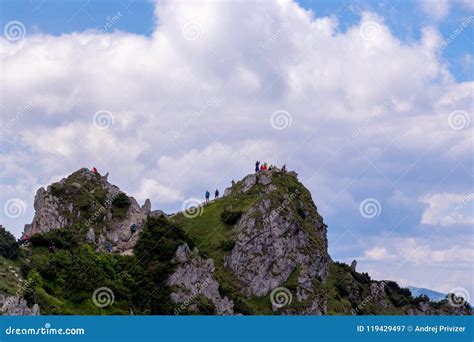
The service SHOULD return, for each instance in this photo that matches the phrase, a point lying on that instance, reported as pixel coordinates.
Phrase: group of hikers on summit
(259, 167)
(262, 166)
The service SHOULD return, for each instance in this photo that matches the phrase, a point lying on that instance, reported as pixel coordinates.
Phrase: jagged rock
(193, 277)
(378, 296)
(272, 243)
(146, 207)
(425, 309)
(121, 236)
(353, 265)
(157, 213)
(47, 214)
(248, 182)
(16, 306)
(90, 236)
(61, 205)
(265, 178)
(182, 253)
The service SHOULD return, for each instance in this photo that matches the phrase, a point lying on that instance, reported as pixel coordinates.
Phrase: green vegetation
(230, 217)
(227, 245)
(349, 293)
(61, 238)
(120, 206)
(8, 244)
(63, 282)
(10, 276)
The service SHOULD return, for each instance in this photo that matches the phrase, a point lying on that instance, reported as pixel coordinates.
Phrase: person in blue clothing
(208, 194)
(133, 228)
(257, 166)
(216, 194)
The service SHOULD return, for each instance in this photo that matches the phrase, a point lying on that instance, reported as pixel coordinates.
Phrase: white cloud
(150, 188)
(377, 253)
(192, 114)
(447, 209)
(435, 9)
(439, 262)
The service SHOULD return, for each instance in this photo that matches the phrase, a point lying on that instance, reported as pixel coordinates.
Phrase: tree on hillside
(8, 244)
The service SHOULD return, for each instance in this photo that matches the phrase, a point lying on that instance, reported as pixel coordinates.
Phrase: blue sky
(406, 18)
(374, 111)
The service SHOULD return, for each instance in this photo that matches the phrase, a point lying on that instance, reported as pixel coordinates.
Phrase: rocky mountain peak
(86, 203)
(262, 248)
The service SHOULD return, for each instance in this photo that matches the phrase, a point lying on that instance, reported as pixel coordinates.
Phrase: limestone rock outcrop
(193, 278)
(16, 306)
(87, 199)
(279, 237)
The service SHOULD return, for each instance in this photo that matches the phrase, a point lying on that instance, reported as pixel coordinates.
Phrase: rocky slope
(261, 249)
(88, 204)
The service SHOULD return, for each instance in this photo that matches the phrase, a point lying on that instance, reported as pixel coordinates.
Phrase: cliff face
(88, 204)
(260, 249)
(280, 235)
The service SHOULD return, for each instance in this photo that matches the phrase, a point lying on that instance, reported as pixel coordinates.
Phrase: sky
(370, 102)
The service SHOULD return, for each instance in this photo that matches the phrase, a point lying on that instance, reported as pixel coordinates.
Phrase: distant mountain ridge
(432, 295)
(261, 249)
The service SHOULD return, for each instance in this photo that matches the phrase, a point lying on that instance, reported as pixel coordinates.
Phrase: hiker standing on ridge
(24, 239)
(216, 194)
(208, 194)
(133, 228)
(257, 166)
(94, 170)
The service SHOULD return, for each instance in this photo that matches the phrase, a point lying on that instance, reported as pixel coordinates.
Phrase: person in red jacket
(94, 170)
(24, 239)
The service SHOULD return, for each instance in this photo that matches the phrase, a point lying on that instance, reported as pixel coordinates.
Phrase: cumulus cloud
(435, 9)
(448, 209)
(436, 263)
(377, 253)
(192, 107)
